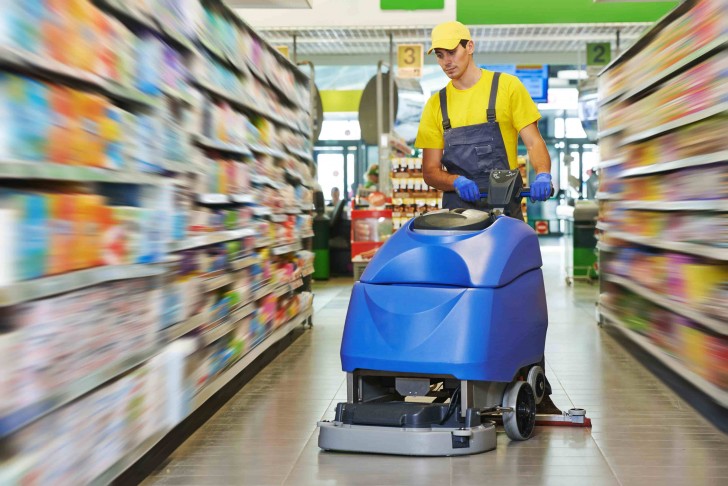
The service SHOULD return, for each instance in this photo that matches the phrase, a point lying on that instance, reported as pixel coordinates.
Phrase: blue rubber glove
(541, 187)
(466, 189)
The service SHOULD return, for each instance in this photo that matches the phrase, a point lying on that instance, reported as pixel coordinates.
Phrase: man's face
(454, 62)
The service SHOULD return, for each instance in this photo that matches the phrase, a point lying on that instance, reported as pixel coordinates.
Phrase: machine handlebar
(525, 192)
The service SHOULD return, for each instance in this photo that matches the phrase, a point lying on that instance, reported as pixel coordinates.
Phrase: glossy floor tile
(642, 434)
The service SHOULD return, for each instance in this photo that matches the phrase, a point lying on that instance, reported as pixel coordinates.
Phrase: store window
(340, 130)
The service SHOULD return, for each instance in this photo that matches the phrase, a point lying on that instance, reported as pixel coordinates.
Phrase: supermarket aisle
(643, 433)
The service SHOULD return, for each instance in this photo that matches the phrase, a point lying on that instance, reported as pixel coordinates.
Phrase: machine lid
(457, 220)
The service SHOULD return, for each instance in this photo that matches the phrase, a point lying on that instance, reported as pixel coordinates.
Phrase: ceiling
(269, 3)
(353, 41)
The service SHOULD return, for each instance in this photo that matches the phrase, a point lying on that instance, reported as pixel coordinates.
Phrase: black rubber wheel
(519, 423)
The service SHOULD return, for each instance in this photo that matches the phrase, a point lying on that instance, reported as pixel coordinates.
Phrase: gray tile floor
(643, 434)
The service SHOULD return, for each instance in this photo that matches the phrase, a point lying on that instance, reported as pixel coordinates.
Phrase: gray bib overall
(473, 151)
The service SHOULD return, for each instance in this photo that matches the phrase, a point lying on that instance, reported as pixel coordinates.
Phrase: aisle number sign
(598, 53)
(283, 50)
(410, 58)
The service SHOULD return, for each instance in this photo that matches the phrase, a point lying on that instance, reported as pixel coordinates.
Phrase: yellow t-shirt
(514, 110)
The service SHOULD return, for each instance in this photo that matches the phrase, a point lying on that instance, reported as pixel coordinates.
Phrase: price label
(410, 58)
(283, 50)
(598, 53)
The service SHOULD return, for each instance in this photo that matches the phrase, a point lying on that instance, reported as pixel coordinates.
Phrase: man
(335, 196)
(471, 126)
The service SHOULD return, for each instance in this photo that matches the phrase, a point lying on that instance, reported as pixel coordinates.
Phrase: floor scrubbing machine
(444, 334)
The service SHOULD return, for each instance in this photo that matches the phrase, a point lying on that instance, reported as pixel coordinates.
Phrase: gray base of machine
(337, 436)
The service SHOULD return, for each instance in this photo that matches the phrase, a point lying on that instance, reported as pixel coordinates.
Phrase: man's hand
(466, 189)
(541, 187)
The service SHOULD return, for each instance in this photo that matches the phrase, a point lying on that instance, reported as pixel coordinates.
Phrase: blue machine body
(471, 305)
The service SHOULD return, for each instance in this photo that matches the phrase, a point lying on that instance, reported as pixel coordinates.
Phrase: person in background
(372, 178)
(335, 196)
(592, 184)
(471, 126)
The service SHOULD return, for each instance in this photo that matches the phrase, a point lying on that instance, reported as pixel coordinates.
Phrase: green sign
(598, 53)
(494, 12)
(412, 4)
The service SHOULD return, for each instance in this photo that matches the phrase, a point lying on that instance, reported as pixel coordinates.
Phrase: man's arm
(538, 154)
(432, 170)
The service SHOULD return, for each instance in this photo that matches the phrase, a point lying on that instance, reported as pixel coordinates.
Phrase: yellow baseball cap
(447, 36)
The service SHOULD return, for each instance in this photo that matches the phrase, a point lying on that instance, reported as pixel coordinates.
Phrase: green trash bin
(321, 233)
(584, 239)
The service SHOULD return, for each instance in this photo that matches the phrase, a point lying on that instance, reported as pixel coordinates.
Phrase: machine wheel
(520, 422)
(537, 380)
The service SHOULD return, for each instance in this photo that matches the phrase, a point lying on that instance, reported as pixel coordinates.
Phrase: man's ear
(471, 47)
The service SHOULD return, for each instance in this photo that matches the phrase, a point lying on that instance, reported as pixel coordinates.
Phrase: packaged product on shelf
(29, 223)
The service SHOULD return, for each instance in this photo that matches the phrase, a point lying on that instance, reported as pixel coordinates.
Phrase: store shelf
(695, 161)
(265, 290)
(601, 246)
(219, 331)
(215, 283)
(243, 105)
(13, 169)
(243, 198)
(611, 98)
(216, 384)
(309, 234)
(263, 242)
(265, 180)
(209, 143)
(27, 290)
(680, 122)
(177, 95)
(611, 132)
(129, 14)
(704, 251)
(715, 205)
(283, 249)
(606, 196)
(262, 211)
(242, 312)
(300, 154)
(180, 329)
(19, 419)
(128, 459)
(714, 392)
(611, 163)
(278, 218)
(211, 239)
(180, 166)
(263, 150)
(679, 66)
(672, 305)
(213, 199)
(601, 225)
(244, 263)
(50, 68)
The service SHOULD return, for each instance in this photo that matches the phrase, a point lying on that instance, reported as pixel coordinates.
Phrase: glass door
(336, 168)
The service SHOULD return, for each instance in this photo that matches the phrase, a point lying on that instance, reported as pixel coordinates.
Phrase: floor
(642, 433)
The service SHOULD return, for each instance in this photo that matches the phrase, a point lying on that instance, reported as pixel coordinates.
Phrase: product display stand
(155, 225)
(664, 198)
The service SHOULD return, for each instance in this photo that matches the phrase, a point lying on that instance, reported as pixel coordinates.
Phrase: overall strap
(493, 95)
(443, 107)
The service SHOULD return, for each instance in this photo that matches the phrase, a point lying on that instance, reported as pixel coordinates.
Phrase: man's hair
(464, 43)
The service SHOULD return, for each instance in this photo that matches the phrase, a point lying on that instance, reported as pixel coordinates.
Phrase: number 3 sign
(410, 58)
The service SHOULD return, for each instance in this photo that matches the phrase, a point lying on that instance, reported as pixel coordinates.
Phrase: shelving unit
(215, 183)
(662, 250)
